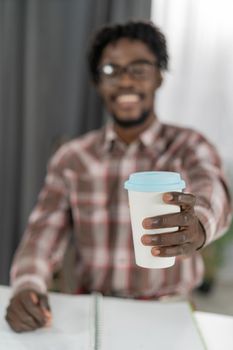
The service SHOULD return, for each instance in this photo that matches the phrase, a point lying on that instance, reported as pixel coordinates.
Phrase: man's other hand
(28, 310)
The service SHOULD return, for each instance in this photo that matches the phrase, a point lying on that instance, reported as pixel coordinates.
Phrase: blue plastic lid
(154, 181)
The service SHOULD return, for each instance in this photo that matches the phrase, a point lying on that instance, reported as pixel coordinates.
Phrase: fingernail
(146, 239)
(146, 223)
(34, 298)
(155, 251)
(168, 196)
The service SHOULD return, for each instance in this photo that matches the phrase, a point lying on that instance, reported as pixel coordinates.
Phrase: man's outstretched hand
(190, 235)
(28, 310)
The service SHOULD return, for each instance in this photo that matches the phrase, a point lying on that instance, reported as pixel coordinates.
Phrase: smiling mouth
(127, 99)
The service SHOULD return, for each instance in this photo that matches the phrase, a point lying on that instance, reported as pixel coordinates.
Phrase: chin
(128, 115)
(127, 118)
(131, 121)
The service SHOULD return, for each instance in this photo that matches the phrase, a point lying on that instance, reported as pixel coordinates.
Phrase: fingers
(184, 200)
(16, 324)
(170, 244)
(168, 220)
(32, 307)
(25, 313)
(181, 242)
(184, 249)
(19, 319)
(44, 302)
(166, 239)
(46, 309)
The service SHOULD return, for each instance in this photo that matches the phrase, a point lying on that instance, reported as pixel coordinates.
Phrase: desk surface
(217, 330)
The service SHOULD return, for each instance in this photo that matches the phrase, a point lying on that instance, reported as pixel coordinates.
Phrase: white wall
(198, 89)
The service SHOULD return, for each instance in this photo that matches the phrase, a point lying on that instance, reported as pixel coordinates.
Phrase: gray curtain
(45, 95)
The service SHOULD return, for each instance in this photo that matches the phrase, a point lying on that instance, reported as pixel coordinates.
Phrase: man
(86, 177)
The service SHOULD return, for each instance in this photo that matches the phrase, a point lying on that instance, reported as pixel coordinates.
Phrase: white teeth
(127, 98)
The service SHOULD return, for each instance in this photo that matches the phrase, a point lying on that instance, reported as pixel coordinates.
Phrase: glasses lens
(108, 71)
(140, 70)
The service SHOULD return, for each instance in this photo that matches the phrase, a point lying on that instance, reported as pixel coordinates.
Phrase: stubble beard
(132, 122)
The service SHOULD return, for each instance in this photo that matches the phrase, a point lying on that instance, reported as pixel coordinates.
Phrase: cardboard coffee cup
(145, 191)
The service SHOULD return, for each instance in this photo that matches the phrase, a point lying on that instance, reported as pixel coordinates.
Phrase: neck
(129, 135)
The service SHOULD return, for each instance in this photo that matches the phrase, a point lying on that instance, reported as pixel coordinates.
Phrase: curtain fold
(45, 94)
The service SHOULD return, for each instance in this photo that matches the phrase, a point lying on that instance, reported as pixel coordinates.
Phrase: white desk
(217, 330)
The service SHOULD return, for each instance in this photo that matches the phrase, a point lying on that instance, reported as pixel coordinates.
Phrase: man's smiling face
(127, 97)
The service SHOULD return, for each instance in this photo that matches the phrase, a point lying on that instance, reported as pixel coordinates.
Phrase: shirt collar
(147, 137)
(109, 137)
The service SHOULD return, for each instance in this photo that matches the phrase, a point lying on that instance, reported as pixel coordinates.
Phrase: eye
(139, 69)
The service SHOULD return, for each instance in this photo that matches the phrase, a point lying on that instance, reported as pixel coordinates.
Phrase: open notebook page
(70, 330)
(141, 325)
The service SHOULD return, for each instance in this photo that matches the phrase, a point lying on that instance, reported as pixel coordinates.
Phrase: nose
(125, 80)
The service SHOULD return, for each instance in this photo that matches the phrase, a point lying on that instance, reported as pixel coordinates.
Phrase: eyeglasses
(138, 70)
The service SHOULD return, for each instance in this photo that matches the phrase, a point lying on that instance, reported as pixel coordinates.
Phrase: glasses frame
(104, 78)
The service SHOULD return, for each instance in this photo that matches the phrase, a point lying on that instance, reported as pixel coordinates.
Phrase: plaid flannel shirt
(86, 177)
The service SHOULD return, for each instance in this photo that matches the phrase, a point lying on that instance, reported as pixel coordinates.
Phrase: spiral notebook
(103, 323)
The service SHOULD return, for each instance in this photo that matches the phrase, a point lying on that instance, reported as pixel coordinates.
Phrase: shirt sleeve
(45, 239)
(206, 180)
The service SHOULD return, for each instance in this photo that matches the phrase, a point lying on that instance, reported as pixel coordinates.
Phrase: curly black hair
(146, 32)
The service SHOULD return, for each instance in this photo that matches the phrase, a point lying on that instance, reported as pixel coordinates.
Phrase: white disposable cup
(149, 204)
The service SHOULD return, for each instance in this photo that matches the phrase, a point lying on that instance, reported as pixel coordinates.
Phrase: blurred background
(46, 98)
(197, 92)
